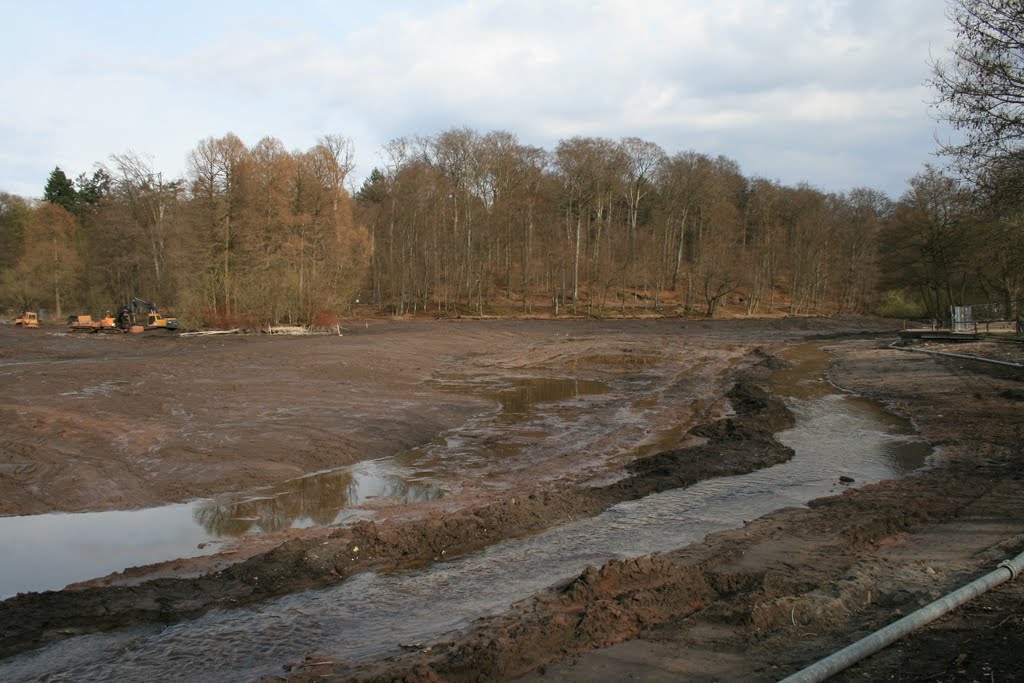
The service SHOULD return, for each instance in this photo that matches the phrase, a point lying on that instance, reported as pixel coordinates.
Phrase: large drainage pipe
(869, 645)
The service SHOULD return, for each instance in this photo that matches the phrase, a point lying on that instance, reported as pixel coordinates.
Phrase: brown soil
(96, 423)
(734, 445)
(763, 601)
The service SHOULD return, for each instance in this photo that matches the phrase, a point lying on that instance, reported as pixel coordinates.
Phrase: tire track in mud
(735, 445)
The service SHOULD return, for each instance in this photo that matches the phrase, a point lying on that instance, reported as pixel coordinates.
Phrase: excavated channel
(374, 614)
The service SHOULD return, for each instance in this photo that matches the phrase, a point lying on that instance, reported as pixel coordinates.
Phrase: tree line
(481, 223)
(251, 234)
(464, 222)
(456, 222)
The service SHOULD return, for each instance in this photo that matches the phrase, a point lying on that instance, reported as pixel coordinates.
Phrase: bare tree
(981, 87)
(1000, 256)
(575, 160)
(765, 221)
(152, 202)
(643, 160)
(682, 185)
(50, 256)
(217, 170)
(14, 212)
(928, 244)
(855, 263)
(334, 159)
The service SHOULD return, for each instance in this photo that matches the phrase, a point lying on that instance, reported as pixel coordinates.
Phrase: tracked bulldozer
(27, 319)
(142, 316)
(85, 323)
(82, 323)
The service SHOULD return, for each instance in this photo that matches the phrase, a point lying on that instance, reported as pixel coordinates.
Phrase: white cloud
(745, 76)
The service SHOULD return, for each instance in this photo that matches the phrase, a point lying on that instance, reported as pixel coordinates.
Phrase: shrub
(896, 304)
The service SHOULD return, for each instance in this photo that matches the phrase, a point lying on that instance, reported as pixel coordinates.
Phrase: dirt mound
(735, 445)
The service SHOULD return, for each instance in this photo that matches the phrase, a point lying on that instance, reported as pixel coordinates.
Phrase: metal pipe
(956, 355)
(869, 645)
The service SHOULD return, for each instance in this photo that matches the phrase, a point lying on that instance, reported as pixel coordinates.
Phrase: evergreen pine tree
(60, 190)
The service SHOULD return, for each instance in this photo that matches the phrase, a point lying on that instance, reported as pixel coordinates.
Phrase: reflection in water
(517, 402)
(317, 499)
(47, 552)
(44, 552)
(323, 498)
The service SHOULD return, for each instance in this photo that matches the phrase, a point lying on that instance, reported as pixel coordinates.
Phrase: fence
(1003, 316)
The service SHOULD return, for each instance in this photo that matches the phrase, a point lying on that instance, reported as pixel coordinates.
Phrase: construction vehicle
(108, 324)
(83, 323)
(27, 319)
(142, 316)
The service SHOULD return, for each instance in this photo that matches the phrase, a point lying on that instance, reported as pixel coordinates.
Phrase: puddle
(322, 498)
(834, 421)
(804, 378)
(370, 614)
(494, 440)
(44, 552)
(518, 403)
(662, 440)
(48, 552)
(518, 398)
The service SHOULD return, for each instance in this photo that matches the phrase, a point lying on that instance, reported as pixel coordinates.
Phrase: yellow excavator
(142, 316)
(27, 319)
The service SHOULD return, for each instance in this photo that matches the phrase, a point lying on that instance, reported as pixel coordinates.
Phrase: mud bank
(95, 422)
(760, 602)
(733, 445)
(755, 582)
(63, 412)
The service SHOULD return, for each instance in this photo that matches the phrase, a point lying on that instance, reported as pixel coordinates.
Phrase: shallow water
(48, 552)
(372, 614)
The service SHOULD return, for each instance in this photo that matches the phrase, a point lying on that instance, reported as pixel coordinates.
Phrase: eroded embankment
(735, 445)
(786, 588)
(786, 569)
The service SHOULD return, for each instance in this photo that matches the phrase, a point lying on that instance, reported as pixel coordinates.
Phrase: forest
(464, 222)
(252, 235)
(481, 224)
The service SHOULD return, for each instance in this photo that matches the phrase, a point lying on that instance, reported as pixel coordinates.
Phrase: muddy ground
(96, 423)
(762, 602)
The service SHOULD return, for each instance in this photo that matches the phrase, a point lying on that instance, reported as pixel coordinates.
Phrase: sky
(828, 92)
